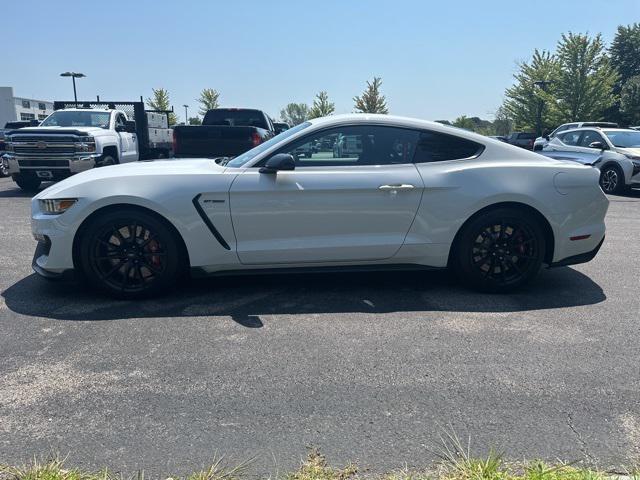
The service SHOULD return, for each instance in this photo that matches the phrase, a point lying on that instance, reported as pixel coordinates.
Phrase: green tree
(295, 113)
(160, 101)
(625, 58)
(630, 101)
(322, 107)
(371, 101)
(195, 121)
(527, 103)
(208, 100)
(584, 88)
(625, 52)
(502, 123)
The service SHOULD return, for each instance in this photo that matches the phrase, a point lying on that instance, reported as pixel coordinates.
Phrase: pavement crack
(583, 444)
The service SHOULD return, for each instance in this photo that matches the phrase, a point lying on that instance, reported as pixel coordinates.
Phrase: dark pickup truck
(225, 132)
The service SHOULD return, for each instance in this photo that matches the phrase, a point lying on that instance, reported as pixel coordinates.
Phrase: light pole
(186, 116)
(542, 84)
(73, 76)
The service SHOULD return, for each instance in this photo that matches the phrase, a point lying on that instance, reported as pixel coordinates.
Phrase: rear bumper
(580, 258)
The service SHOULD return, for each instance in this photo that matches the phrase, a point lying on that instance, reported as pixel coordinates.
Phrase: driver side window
(353, 146)
(120, 122)
(589, 137)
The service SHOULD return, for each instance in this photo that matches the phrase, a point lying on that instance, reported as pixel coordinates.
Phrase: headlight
(57, 206)
(86, 144)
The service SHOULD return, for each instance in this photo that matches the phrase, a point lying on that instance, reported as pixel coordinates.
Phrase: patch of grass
(50, 469)
(315, 467)
(457, 463)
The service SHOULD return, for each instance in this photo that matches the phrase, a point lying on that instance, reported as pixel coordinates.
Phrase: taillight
(256, 139)
(175, 143)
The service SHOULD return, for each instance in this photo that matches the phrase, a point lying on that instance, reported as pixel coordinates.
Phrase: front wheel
(130, 254)
(612, 179)
(499, 251)
(28, 183)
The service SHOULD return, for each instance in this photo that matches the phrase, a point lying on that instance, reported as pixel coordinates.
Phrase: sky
(437, 59)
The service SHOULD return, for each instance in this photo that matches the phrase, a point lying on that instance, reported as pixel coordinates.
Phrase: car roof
(602, 129)
(398, 121)
(86, 110)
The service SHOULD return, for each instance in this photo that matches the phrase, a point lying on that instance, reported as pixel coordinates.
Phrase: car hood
(60, 130)
(630, 151)
(129, 177)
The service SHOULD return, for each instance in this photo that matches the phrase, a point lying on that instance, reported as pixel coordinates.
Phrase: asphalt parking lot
(368, 367)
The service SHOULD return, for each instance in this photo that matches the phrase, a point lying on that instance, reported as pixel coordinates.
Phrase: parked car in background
(540, 142)
(393, 202)
(280, 127)
(614, 151)
(72, 140)
(225, 132)
(522, 139)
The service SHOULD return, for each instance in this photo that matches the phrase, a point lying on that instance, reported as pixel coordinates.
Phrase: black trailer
(154, 141)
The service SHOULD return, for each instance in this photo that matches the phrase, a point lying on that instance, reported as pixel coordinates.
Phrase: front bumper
(41, 255)
(58, 166)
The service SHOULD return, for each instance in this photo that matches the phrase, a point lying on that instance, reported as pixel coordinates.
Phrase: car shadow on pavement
(246, 298)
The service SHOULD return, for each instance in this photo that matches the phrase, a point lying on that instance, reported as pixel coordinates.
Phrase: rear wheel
(612, 179)
(499, 250)
(130, 254)
(28, 183)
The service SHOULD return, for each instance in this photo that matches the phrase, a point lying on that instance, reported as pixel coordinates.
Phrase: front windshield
(240, 160)
(73, 118)
(624, 138)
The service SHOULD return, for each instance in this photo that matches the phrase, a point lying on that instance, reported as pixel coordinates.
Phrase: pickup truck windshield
(623, 139)
(240, 160)
(236, 118)
(63, 118)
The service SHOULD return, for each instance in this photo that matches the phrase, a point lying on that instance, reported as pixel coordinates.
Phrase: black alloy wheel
(499, 250)
(130, 256)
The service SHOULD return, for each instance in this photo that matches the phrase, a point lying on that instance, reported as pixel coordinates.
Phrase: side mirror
(281, 161)
(546, 137)
(130, 126)
(598, 145)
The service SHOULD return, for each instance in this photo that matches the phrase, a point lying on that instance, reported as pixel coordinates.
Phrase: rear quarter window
(440, 147)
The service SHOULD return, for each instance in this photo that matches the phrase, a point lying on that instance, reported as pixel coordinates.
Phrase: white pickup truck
(72, 140)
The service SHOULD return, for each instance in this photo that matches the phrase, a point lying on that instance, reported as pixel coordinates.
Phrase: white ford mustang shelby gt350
(375, 192)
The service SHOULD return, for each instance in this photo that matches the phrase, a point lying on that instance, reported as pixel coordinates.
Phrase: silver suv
(614, 151)
(540, 142)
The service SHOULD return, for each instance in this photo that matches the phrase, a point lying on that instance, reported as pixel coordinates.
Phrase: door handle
(400, 186)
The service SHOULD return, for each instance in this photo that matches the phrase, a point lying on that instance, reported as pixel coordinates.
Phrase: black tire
(106, 160)
(4, 169)
(499, 250)
(612, 179)
(28, 183)
(130, 254)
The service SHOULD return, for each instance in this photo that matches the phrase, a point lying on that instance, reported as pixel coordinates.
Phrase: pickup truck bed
(224, 132)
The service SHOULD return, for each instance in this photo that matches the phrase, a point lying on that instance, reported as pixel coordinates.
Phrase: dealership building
(20, 108)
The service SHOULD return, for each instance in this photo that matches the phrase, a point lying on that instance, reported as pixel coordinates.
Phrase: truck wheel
(28, 183)
(106, 160)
